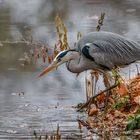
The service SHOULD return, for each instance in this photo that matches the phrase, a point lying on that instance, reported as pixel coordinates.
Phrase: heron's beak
(51, 67)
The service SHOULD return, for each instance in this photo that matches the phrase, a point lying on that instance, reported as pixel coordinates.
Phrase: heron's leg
(138, 73)
(107, 85)
(116, 79)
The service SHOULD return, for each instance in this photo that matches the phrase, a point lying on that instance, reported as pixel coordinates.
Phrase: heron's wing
(113, 51)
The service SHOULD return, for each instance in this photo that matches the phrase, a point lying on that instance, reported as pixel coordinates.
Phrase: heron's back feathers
(109, 49)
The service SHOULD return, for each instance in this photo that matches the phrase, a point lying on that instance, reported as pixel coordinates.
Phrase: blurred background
(27, 103)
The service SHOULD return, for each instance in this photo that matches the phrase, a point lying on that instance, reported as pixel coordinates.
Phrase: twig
(85, 124)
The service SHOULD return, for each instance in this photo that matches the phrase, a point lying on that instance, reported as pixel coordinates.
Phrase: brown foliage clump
(123, 103)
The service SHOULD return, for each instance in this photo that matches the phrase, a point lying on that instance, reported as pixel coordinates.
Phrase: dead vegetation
(124, 103)
(38, 50)
(55, 136)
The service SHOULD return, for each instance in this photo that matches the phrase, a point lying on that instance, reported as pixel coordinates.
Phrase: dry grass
(55, 136)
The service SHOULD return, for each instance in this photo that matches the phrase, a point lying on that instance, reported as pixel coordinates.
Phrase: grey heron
(101, 51)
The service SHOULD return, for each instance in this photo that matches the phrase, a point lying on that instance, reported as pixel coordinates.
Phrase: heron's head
(62, 57)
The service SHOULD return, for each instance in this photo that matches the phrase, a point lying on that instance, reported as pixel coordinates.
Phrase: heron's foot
(91, 100)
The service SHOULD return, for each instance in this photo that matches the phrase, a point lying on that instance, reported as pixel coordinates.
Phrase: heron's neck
(77, 64)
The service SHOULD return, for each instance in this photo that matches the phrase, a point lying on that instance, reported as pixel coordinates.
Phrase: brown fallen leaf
(101, 98)
(111, 100)
(93, 111)
(123, 90)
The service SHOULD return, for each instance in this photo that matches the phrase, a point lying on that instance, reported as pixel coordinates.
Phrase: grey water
(28, 103)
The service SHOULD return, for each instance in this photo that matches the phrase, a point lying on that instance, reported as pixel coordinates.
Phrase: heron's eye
(58, 59)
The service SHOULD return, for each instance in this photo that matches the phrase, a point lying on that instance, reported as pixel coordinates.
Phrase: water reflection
(36, 109)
